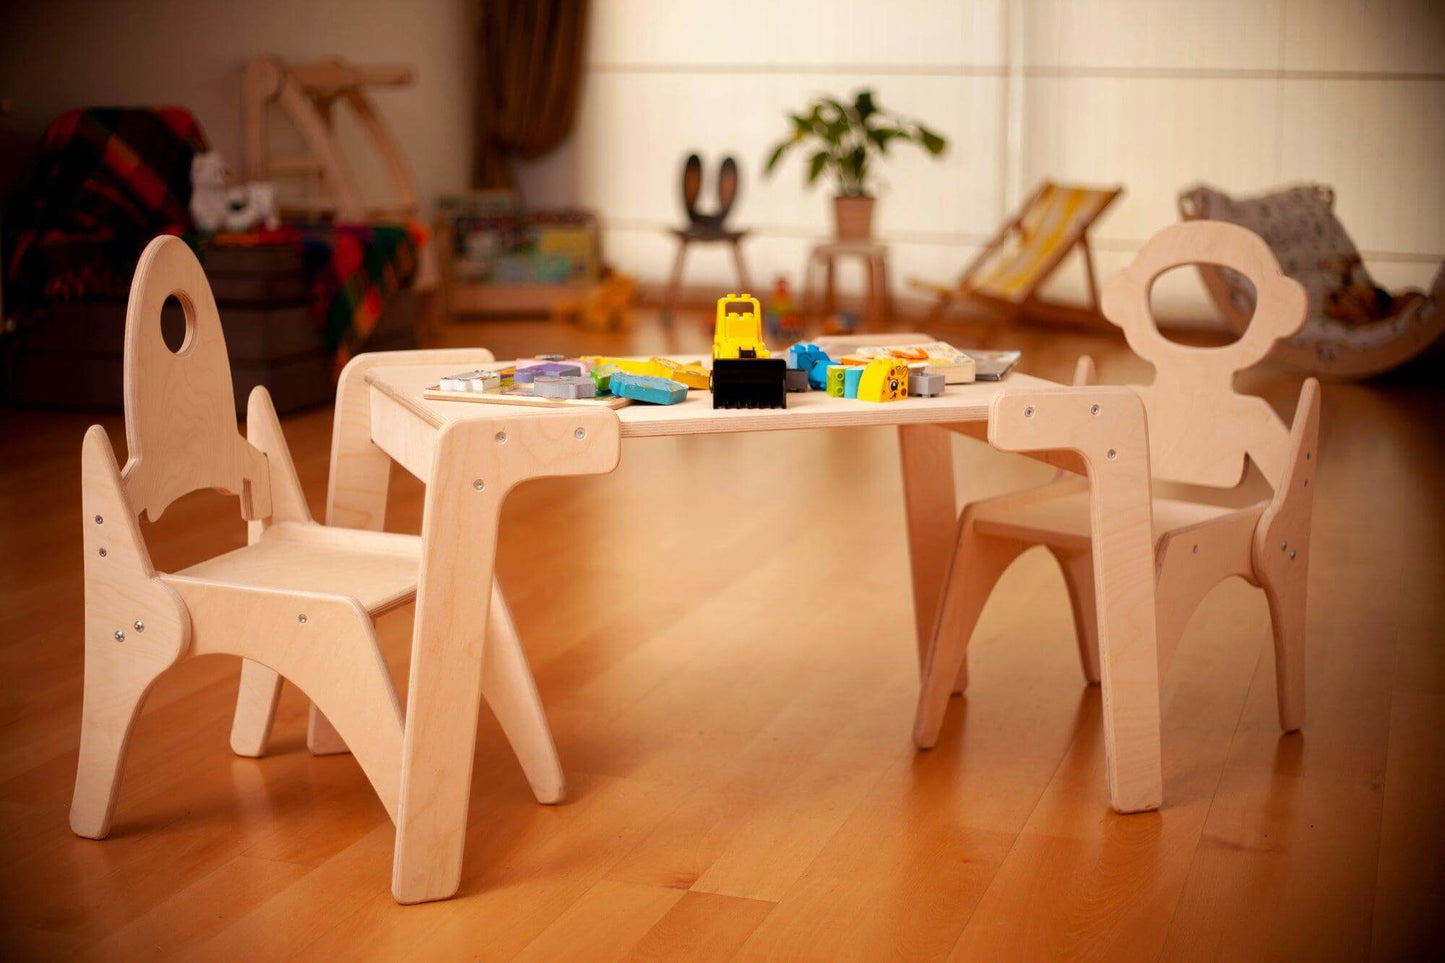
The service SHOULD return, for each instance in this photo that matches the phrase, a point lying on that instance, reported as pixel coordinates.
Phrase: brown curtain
(528, 81)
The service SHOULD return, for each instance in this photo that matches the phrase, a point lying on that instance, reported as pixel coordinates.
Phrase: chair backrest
(1052, 221)
(180, 414)
(1200, 428)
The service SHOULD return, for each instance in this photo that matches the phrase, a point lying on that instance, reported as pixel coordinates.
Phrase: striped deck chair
(1006, 275)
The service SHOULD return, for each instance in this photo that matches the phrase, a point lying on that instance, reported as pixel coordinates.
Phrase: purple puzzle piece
(551, 369)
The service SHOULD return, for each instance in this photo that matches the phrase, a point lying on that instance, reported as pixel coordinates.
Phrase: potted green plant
(845, 141)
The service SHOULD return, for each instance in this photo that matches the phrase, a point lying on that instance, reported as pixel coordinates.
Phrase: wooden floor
(722, 634)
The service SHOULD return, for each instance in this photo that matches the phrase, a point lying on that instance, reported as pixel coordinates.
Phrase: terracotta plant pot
(853, 218)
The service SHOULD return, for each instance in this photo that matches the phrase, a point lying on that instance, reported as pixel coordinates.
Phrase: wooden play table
(470, 456)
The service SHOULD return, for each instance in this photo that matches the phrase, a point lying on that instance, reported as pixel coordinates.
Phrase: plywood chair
(1007, 274)
(1200, 431)
(298, 599)
(356, 497)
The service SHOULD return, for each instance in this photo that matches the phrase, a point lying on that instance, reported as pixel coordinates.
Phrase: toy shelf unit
(498, 259)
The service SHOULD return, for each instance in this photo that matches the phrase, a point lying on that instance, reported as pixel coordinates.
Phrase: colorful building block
(649, 388)
(852, 374)
(567, 386)
(885, 379)
(630, 365)
(472, 381)
(691, 374)
(554, 369)
(837, 377)
(602, 377)
(797, 380)
(926, 383)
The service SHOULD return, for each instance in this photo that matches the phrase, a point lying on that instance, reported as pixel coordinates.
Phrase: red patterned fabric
(108, 179)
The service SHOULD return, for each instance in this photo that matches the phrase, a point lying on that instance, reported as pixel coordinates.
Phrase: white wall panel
(1155, 136)
(1381, 145)
(920, 34)
(1365, 35)
(1166, 34)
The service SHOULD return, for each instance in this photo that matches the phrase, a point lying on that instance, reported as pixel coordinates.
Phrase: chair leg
(321, 736)
(1078, 568)
(255, 709)
(112, 702)
(977, 563)
(511, 692)
(674, 284)
(1287, 620)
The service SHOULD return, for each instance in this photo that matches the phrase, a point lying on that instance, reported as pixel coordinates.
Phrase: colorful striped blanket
(352, 270)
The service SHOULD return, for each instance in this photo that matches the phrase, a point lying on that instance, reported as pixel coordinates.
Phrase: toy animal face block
(883, 380)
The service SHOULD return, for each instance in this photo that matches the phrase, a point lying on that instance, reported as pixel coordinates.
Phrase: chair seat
(1058, 515)
(378, 569)
(704, 233)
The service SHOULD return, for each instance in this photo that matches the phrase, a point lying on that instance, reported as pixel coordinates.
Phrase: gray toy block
(564, 386)
(925, 384)
(797, 380)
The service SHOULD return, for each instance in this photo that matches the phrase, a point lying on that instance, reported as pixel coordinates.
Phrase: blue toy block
(805, 355)
(851, 376)
(818, 374)
(649, 388)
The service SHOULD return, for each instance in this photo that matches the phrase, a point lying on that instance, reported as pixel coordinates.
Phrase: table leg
(829, 297)
(1107, 427)
(462, 646)
(674, 284)
(929, 505)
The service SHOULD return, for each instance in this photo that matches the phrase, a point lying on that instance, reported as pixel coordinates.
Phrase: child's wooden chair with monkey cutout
(1200, 431)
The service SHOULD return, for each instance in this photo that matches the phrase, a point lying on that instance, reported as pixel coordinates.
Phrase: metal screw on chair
(1196, 550)
(1094, 410)
(1029, 412)
(119, 635)
(1291, 556)
(1113, 454)
(140, 626)
(1283, 545)
(102, 553)
(1307, 483)
(501, 437)
(99, 520)
(479, 484)
(301, 618)
(580, 433)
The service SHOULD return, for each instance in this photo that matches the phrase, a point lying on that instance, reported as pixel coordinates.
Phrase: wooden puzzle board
(434, 393)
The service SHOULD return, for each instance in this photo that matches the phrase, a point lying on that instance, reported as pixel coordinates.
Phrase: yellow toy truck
(739, 335)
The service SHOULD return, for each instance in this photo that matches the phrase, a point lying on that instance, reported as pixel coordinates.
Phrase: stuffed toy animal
(218, 206)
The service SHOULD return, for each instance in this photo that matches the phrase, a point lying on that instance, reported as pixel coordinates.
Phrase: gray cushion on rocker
(1299, 225)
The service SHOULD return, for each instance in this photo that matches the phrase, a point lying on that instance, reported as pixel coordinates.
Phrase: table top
(405, 384)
